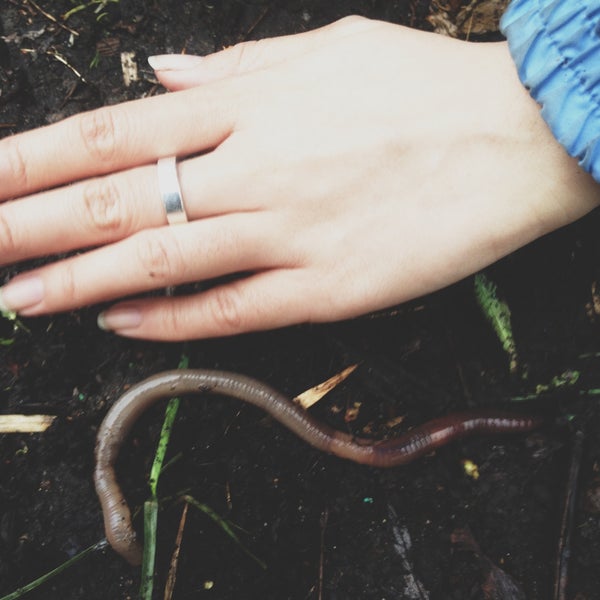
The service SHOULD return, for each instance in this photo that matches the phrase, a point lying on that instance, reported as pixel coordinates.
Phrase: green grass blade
(497, 313)
(224, 525)
(149, 557)
(57, 571)
(165, 435)
(566, 379)
(163, 442)
(151, 506)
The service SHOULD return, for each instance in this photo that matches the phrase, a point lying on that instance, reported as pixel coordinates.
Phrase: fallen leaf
(480, 17)
(129, 68)
(314, 394)
(25, 423)
(351, 413)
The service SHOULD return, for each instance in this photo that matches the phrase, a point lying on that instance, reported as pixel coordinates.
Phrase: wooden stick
(25, 423)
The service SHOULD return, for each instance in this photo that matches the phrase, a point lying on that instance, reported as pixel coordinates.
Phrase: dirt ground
(326, 529)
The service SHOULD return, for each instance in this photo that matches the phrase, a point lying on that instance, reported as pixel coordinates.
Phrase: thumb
(181, 71)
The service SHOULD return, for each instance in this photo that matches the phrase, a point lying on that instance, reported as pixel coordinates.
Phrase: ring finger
(106, 209)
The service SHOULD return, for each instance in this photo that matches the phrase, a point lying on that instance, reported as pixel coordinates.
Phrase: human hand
(338, 172)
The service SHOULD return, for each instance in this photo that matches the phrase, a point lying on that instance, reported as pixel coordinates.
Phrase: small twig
(69, 93)
(61, 59)
(314, 394)
(566, 526)
(254, 25)
(25, 423)
(172, 576)
(52, 18)
(323, 523)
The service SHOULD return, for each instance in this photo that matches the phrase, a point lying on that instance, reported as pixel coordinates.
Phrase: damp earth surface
(479, 519)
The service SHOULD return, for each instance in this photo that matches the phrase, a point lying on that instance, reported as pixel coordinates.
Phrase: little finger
(265, 300)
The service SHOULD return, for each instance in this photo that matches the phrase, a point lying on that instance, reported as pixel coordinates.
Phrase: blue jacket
(556, 47)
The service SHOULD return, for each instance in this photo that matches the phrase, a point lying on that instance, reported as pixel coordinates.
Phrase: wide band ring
(170, 190)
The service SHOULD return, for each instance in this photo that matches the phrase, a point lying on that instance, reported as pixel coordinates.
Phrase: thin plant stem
(56, 571)
(149, 556)
(151, 505)
(224, 525)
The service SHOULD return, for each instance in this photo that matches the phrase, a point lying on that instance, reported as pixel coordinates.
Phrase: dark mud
(325, 528)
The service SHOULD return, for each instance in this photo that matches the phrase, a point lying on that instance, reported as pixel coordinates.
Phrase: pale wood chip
(313, 395)
(25, 423)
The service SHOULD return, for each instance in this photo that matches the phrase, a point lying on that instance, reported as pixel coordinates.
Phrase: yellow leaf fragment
(25, 423)
(477, 17)
(395, 421)
(314, 394)
(471, 469)
(592, 308)
(443, 24)
(481, 16)
(352, 412)
(129, 68)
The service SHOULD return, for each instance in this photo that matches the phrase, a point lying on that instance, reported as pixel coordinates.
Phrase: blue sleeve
(556, 47)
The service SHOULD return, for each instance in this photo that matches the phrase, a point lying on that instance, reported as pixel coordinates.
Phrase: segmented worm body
(389, 453)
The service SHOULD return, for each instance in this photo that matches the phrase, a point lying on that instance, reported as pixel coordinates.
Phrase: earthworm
(389, 453)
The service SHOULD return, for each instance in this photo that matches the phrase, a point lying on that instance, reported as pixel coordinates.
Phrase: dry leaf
(25, 423)
(481, 17)
(129, 68)
(352, 412)
(593, 308)
(313, 395)
(442, 24)
(478, 17)
(395, 421)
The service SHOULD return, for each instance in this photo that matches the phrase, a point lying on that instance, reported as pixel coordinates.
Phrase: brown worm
(398, 451)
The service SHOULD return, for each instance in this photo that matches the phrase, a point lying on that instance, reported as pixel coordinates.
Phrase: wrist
(561, 190)
(555, 46)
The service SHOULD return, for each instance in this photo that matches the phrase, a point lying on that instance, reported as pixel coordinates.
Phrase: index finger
(117, 137)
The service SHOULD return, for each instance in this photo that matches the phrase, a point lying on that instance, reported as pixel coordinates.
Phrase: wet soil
(325, 528)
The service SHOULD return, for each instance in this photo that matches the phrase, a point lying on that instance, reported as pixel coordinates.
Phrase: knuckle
(352, 24)
(18, 172)
(245, 54)
(99, 133)
(175, 321)
(226, 308)
(68, 285)
(348, 19)
(351, 21)
(8, 245)
(160, 260)
(102, 205)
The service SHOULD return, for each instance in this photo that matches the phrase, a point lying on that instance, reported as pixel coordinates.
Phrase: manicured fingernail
(116, 319)
(173, 62)
(21, 293)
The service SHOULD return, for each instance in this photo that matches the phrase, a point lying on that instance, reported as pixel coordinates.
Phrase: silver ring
(170, 190)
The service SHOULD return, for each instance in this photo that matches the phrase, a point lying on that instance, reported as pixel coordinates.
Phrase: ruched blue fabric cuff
(556, 47)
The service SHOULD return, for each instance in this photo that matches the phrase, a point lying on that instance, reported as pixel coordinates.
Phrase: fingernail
(173, 62)
(116, 319)
(21, 293)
